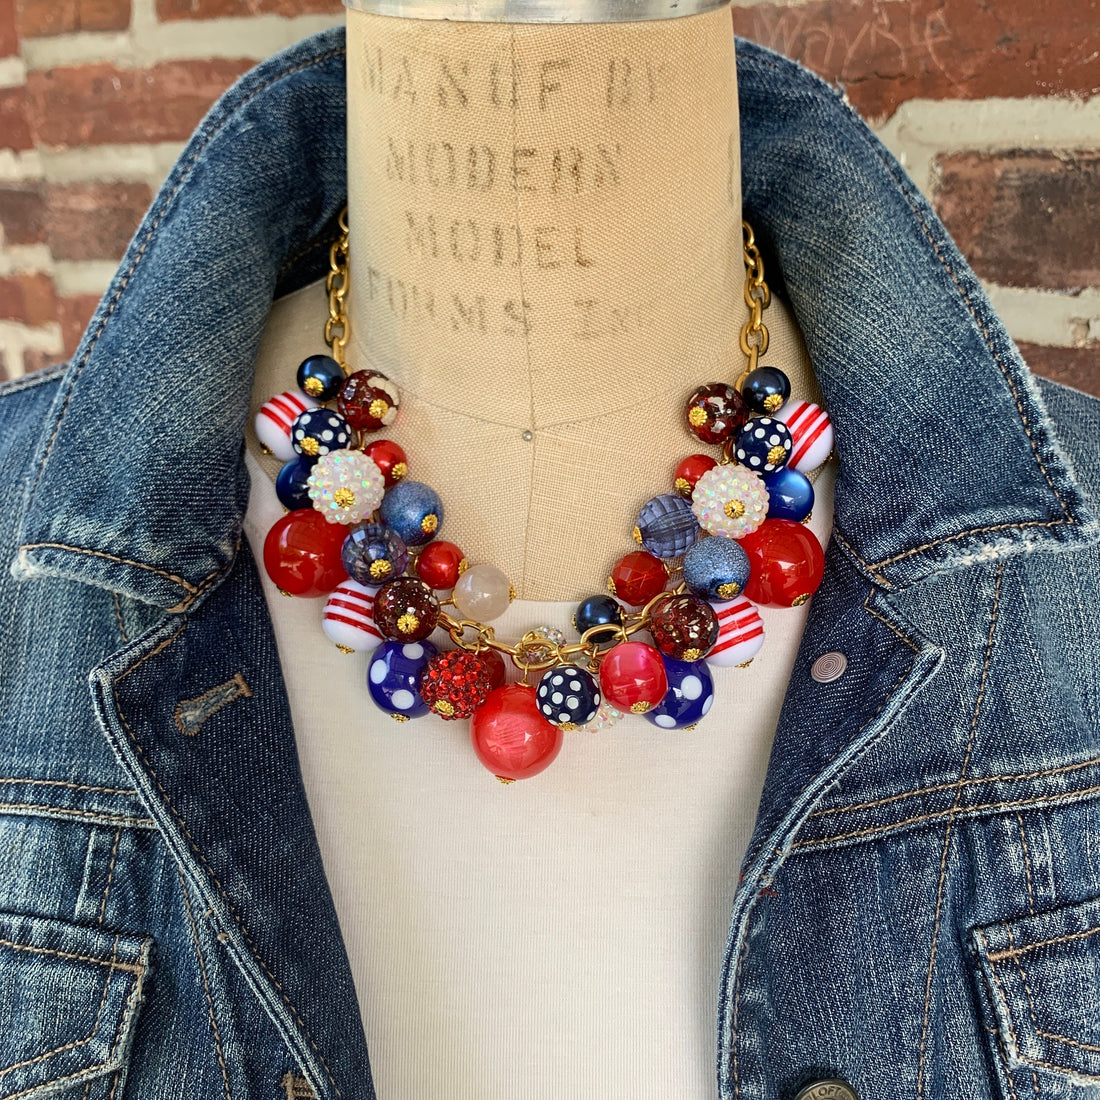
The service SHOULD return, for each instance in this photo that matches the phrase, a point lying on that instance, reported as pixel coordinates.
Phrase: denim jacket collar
(947, 453)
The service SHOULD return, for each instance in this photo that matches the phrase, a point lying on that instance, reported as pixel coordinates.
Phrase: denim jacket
(919, 907)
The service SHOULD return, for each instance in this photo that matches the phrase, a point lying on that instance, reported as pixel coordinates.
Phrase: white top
(556, 937)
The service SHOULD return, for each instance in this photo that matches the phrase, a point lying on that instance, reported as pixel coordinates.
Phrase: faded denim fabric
(919, 911)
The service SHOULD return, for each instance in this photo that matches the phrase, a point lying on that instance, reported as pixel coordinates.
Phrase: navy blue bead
(790, 494)
(689, 697)
(394, 677)
(321, 377)
(667, 526)
(414, 511)
(373, 554)
(318, 431)
(598, 610)
(766, 390)
(716, 568)
(290, 484)
(568, 695)
(764, 444)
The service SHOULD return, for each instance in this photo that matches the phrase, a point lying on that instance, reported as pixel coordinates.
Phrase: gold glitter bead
(772, 402)
(310, 446)
(683, 487)
(734, 509)
(399, 717)
(640, 707)
(443, 707)
(697, 416)
(800, 600)
(345, 498)
(379, 408)
(728, 591)
(637, 533)
(380, 570)
(313, 387)
(408, 623)
(692, 655)
(399, 470)
(776, 454)
(429, 523)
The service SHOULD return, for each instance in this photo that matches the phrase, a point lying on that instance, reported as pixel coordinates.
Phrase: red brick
(9, 38)
(28, 298)
(94, 104)
(15, 133)
(1076, 367)
(93, 221)
(22, 213)
(1025, 218)
(40, 18)
(74, 312)
(212, 9)
(884, 53)
(35, 360)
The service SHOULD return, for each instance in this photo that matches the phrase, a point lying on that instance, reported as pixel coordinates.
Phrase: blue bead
(318, 431)
(667, 526)
(689, 696)
(369, 545)
(766, 390)
(321, 377)
(290, 484)
(568, 695)
(408, 509)
(757, 440)
(790, 494)
(598, 611)
(394, 677)
(714, 565)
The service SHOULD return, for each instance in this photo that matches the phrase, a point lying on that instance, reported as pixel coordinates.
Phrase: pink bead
(510, 736)
(633, 678)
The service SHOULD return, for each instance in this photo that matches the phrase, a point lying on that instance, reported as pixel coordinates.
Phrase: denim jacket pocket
(69, 998)
(1042, 976)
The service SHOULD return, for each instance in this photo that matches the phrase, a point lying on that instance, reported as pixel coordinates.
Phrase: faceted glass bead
(494, 661)
(765, 390)
(790, 494)
(684, 628)
(414, 511)
(406, 610)
(345, 486)
(637, 578)
(373, 554)
(730, 500)
(632, 676)
(716, 568)
(440, 565)
(389, 458)
(787, 563)
(454, 684)
(666, 526)
(511, 738)
(689, 697)
(290, 484)
(812, 432)
(368, 400)
(740, 634)
(568, 696)
(393, 678)
(599, 610)
(689, 471)
(321, 377)
(302, 553)
(318, 431)
(715, 412)
(483, 593)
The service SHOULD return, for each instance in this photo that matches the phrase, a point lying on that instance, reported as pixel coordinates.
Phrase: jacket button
(833, 1089)
(829, 666)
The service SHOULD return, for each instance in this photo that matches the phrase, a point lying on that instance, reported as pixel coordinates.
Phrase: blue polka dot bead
(568, 696)
(764, 444)
(290, 484)
(318, 431)
(689, 697)
(373, 554)
(321, 377)
(394, 678)
(599, 610)
(716, 568)
(414, 511)
(790, 494)
(765, 390)
(666, 525)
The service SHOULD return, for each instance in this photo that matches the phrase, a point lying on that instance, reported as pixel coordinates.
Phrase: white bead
(730, 500)
(345, 486)
(274, 419)
(482, 593)
(812, 433)
(349, 618)
(740, 633)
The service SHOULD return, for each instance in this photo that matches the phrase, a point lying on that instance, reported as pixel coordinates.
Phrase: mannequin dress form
(546, 259)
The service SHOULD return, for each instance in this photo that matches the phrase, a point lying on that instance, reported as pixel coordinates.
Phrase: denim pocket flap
(69, 996)
(1042, 973)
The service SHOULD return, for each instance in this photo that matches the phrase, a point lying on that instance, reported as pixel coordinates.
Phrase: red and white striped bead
(812, 432)
(275, 417)
(349, 618)
(740, 633)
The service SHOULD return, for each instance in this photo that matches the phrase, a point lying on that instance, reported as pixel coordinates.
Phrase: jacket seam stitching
(122, 819)
(1009, 1019)
(1011, 953)
(32, 379)
(1030, 1007)
(110, 876)
(17, 781)
(112, 963)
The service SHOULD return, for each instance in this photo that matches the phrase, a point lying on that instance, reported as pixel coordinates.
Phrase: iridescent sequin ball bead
(730, 500)
(345, 486)
(608, 716)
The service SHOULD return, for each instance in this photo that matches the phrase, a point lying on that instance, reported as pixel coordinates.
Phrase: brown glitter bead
(406, 610)
(684, 628)
(716, 412)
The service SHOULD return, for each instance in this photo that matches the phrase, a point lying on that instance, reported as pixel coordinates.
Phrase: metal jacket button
(829, 666)
(833, 1089)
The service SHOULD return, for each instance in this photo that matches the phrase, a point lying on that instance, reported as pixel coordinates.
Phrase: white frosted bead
(483, 593)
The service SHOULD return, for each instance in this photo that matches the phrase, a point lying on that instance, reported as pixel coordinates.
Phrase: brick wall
(992, 107)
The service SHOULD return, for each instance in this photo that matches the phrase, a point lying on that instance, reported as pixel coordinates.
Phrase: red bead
(637, 578)
(455, 683)
(786, 562)
(511, 738)
(364, 403)
(389, 458)
(440, 564)
(495, 662)
(689, 471)
(684, 628)
(302, 553)
(716, 412)
(406, 610)
(633, 677)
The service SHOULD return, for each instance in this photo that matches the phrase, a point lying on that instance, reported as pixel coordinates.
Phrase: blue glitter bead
(318, 431)
(716, 568)
(764, 444)
(568, 696)
(790, 494)
(666, 525)
(598, 610)
(321, 377)
(394, 677)
(414, 511)
(373, 554)
(689, 697)
(290, 484)
(766, 390)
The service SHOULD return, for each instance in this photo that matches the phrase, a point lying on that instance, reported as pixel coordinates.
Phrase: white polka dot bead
(568, 696)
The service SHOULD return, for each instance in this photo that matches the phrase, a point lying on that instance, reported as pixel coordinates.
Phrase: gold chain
(337, 330)
(754, 333)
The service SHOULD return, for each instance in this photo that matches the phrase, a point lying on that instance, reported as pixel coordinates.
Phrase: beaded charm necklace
(730, 536)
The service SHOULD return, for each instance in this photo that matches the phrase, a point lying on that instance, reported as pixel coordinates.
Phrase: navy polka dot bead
(318, 431)
(764, 444)
(568, 696)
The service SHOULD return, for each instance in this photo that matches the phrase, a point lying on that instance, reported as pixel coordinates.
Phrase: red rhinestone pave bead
(786, 563)
(715, 412)
(302, 553)
(684, 628)
(389, 458)
(511, 738)
(633, 677)
(440, 565)
(454, 684)
(406, 610)
(637, 578)
(689, 471)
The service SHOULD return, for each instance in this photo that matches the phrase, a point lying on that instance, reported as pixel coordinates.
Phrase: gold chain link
(754, 333)
(337, 330)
